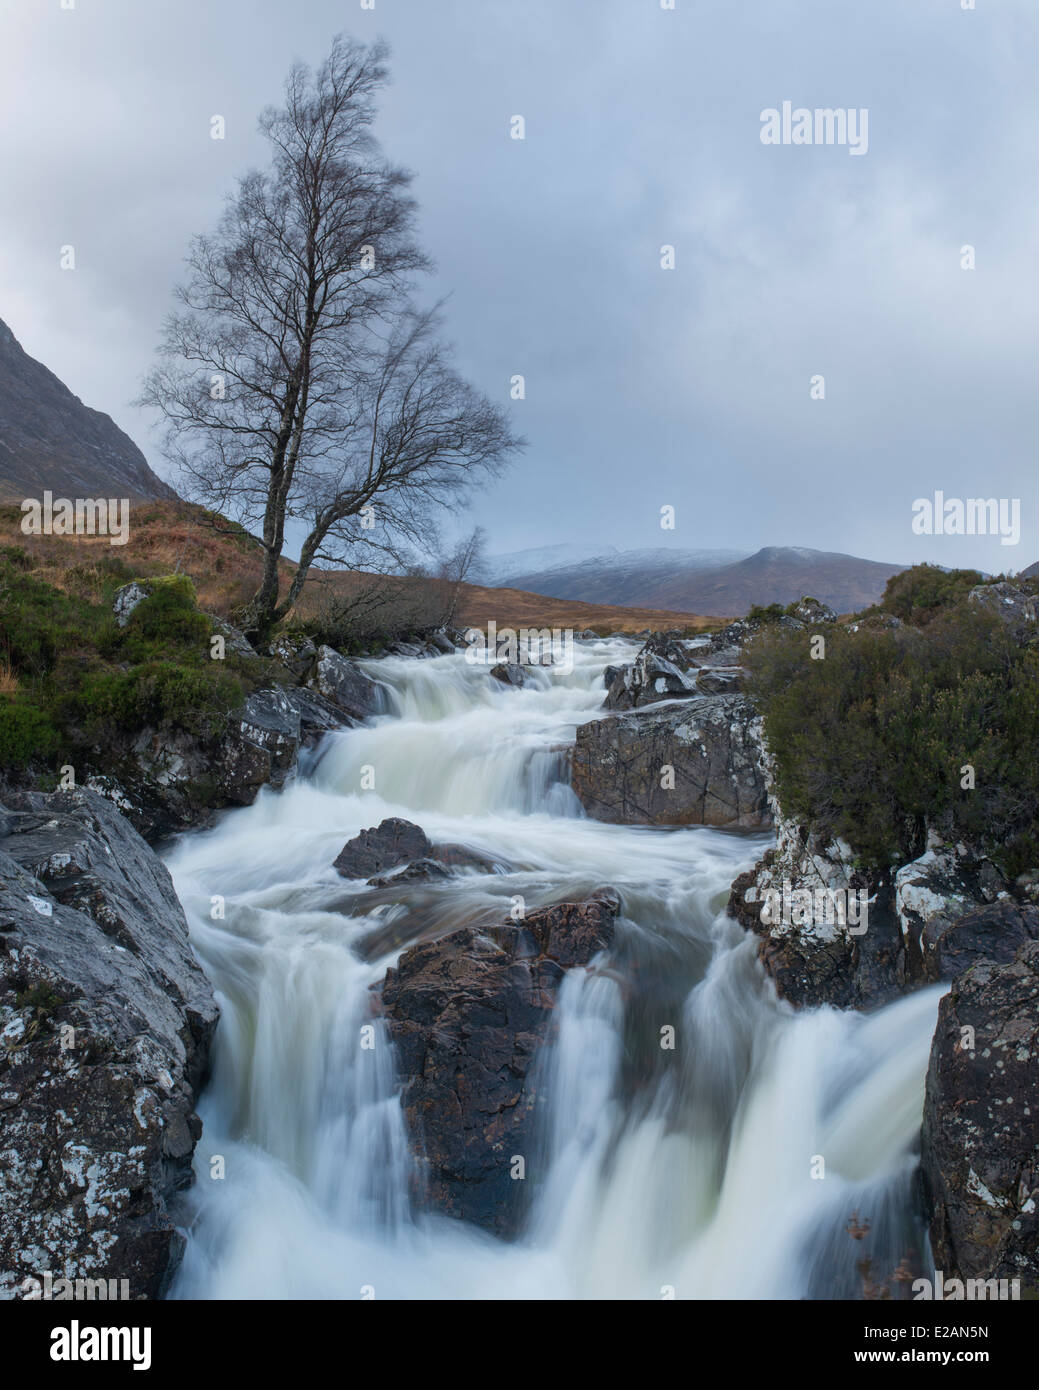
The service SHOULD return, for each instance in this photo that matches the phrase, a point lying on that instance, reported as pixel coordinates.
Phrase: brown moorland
(223, 561)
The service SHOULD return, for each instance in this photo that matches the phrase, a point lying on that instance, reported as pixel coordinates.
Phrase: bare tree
(300, 388)
(458, 567)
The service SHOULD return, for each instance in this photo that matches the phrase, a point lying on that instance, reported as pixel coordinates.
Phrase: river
(694, 1173)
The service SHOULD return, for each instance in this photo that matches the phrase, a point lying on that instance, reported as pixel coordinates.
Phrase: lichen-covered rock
(1012, 605)
(945, 882)
(847, 949)
(810, 611)
(697, 763)
(980, 1142)
(106, 1021)
(296, 652)
(470, 1014)
(126, 599)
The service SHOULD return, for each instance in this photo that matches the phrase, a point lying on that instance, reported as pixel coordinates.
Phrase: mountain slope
(688, 582)
(618, 576)
(50, 440)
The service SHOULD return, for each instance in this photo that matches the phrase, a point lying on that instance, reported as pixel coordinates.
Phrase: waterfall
(689, 1171)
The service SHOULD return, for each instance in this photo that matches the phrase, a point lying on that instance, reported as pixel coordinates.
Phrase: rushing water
(689, 1170)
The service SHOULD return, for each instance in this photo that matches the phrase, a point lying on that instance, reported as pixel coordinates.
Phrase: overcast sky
(645, 387)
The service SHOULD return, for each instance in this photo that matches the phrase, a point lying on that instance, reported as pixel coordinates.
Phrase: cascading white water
(687, 1170)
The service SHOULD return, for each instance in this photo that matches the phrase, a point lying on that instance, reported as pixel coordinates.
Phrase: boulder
(508, 673)
(106, 1020)
(235, 639)
(649, 679)
(811, 612)
(126, 600)
(470, 1015)
(622, 767)
(296, 652)
(980, 1139)
(821, 956)
(394, 846)
(346, 685)
(384, 847)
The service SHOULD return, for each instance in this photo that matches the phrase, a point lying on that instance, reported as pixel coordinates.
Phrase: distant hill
(608, 575)
(717, 583)
(1032, 572)
(50, 440)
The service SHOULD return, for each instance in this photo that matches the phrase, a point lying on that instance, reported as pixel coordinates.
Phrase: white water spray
(687, 1171)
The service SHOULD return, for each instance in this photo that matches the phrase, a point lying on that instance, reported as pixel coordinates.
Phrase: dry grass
(225, 568)
(8, 679)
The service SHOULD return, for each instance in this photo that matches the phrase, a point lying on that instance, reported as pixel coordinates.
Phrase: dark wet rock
(384, 847)
(508, 673)
(980, 1140)
(424, 870)
(940, 887)
(994, 932)
(346, 686)
(106, 1021)
(470, 1015)
(380, 853)
(622, 767)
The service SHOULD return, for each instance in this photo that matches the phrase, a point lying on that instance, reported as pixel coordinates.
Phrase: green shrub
(919, 594)
(869, 742)
(83, 681)
(26, 734)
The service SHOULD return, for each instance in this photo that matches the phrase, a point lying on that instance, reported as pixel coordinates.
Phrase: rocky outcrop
(172, 780)
(648, 679)
(697, 763)
(827, 932)
(980, 1142)
(470, 1014)
(106, 1021)
(1016, 608)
